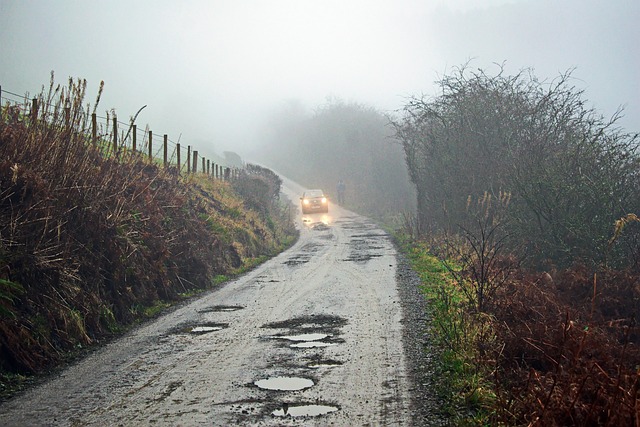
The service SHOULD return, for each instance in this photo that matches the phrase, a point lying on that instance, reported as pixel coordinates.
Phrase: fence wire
(106, 130)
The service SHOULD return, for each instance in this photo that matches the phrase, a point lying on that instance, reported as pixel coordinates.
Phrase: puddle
(304, 410)
(304, 337)
(311, 344)
(284, 383)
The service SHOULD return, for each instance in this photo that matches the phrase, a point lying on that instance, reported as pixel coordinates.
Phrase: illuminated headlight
(305, 201)
(324, 200)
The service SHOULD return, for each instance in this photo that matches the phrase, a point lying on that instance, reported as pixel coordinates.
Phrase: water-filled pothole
(284, 383)
(323, 322)
(205, 328)
(304, 410)
(298, 260)
(304, 337)
(312, 344)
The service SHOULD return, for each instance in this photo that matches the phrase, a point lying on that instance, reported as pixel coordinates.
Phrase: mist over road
(318, 328)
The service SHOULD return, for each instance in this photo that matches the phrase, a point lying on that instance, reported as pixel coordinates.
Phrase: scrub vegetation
(92, 242)
(528, 243)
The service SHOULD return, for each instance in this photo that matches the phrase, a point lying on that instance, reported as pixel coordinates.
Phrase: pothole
(324, 364)
(304, 410)
(312, 344)
(199, 329)
(205, 329)
(297, 260)
(221, 308)
(361, 257)
(284, 383)
(323, 322)
(303, 337)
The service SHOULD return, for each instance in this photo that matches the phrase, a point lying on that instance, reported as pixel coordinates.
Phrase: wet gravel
(426, 406)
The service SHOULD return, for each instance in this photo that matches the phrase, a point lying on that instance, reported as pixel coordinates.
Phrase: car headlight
(324, 200)
(305, 201)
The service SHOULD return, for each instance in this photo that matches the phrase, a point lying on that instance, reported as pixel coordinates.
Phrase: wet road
(312, 337)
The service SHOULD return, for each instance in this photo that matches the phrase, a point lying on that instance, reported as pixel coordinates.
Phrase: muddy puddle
(284, 383)
(304, 410)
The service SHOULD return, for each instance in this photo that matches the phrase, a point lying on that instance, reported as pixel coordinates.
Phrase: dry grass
(89, 239)
(569, 353)
(558, 348)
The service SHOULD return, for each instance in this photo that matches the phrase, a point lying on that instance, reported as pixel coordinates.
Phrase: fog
(210, 72)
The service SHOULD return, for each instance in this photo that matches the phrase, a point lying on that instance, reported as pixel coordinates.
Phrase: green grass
(464, 382)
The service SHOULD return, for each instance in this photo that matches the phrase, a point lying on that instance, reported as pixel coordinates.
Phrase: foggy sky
(210, 71)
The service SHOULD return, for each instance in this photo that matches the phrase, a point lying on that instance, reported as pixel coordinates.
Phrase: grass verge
(464, 383)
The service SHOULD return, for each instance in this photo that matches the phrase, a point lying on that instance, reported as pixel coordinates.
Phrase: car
(313, 201)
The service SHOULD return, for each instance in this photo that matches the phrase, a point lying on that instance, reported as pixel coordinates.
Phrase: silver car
(313, 201)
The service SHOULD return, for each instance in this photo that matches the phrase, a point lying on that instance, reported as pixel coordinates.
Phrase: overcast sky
(209, 71)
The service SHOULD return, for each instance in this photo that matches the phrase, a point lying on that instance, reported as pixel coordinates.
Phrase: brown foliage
(94, 239)
(570, 358)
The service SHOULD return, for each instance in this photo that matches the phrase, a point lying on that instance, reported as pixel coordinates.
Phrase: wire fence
(115, 136)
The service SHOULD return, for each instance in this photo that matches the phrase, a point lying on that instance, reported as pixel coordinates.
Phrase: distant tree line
(345, 141)
(558, 174)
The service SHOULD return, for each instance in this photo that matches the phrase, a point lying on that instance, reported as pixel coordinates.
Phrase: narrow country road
(313, 337)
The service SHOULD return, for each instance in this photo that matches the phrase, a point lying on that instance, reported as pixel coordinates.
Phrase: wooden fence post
(178, 157)
(195, 161)
(115, 134)
(94, 129)
(208, 167)
(67, 116)
(188, 159)
(204, 169)
(134, 139)
(150, 146)
(34, 110)
(166, 160)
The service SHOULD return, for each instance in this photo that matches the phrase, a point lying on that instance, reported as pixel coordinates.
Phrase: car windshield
(313, 193)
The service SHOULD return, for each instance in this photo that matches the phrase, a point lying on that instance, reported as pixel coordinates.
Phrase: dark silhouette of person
(340, 188)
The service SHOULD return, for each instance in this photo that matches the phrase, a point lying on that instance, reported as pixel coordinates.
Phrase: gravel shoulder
(420, 354)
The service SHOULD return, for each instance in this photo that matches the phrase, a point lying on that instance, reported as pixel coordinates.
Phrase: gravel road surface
(330, 332)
